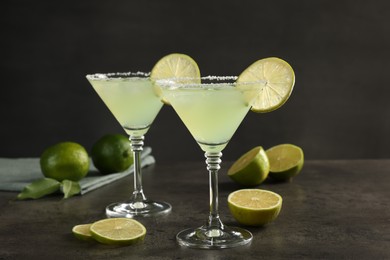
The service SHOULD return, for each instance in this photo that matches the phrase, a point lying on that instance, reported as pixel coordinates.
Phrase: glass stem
(137, 143)
(213, 165)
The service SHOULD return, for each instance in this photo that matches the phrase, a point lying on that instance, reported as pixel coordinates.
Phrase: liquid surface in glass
(212, 115)
(132, 101)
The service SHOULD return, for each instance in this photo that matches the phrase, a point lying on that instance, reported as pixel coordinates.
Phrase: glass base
(137, 209)
(214, 238)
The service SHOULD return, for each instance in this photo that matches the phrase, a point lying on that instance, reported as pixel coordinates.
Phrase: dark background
(339, 50)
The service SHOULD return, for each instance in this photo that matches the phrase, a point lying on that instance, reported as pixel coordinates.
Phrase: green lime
(82, 232)
(112, 153)
(65, 161)
(254, 207)
(118, 231)
(175, 65)
(275, 79)
(286, 161)
(250, 169)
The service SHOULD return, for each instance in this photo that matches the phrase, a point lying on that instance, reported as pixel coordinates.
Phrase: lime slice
(254, 207)
(276, 81)
(174, 65)
(250, 169)
(118, 231)
(82, 232)
(286, 161)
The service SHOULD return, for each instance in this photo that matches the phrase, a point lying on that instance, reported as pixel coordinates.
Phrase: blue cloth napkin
(15, 174)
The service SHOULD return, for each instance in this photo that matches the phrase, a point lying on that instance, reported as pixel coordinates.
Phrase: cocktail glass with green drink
(133, 102)
(212, 111)
(212, 108)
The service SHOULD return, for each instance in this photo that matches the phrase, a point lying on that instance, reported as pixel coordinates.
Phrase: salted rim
(118, 75)
(206, 81)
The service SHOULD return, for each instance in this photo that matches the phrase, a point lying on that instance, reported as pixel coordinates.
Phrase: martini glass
(132, 100)
(212, 112)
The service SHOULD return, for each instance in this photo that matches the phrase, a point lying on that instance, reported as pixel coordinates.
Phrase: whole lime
(65, 161)
(112, 153)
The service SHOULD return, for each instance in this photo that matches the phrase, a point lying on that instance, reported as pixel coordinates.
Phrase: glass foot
(137, 209)
(214, 238)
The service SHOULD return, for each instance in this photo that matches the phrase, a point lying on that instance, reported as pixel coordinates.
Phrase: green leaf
(39, 188)
(70, 188)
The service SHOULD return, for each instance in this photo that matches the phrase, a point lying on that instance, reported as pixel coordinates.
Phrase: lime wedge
(254, 207)
(275, 79)
(251, 168)
(118, 231)
(82, 232)
(286, 161)
(174, 65)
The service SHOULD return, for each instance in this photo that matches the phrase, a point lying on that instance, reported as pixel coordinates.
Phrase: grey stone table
(333, 210)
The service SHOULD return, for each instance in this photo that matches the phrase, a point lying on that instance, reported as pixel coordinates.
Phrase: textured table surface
(332, 210)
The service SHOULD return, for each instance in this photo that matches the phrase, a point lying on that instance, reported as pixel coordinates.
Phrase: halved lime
(82, 231)
(254, 207)
(175, 65)
(275, 79)
(250, 169)
(286, 161)
(118, 231)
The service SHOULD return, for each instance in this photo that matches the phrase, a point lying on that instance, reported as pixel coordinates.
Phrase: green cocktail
(133, 102)
(212, 112)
